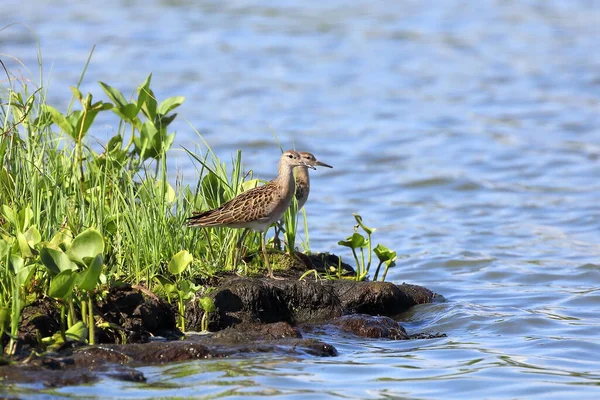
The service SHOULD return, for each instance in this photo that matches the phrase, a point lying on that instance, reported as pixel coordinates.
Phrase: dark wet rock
(249, 300)
(380, 298)
(70, 368)
(371, 326)
(204, 346)
(253, 315)
(247, 332)
(162, 352)
(91, 356)
(138, 312)
(39, 319)
(427, 335)
(90, 363)
(246, 299)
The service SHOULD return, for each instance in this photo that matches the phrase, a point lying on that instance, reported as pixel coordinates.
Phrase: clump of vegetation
(77, 219)
(357, 241)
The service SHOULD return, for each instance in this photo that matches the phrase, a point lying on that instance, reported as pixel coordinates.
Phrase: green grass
(54, 186)
(77, 219)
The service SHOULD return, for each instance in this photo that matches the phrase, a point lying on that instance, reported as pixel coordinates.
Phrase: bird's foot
(277, 278)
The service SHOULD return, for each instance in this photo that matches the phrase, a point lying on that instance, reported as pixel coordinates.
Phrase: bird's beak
(322, 164)
(307, 165)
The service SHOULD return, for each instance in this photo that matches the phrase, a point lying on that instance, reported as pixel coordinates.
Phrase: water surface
(466, 132)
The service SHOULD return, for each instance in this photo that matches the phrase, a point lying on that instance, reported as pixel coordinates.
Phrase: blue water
(468, 133)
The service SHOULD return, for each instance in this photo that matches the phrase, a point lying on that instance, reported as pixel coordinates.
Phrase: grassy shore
(76, 219)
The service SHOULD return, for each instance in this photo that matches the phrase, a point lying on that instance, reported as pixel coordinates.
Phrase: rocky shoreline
(253, 315)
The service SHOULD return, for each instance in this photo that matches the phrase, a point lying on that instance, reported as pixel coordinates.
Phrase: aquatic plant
(209, 307)
(357, 241)
(77, 219)
(183, 289)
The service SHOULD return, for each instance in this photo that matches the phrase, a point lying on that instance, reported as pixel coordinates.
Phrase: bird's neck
(302, 176)
(285, 178)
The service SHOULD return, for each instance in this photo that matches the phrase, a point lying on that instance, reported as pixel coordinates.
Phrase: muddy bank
(241, 299)
(253, 315)
(80, 364)
(85, 364)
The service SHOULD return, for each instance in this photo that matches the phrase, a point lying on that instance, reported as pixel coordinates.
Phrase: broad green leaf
(148, 132)
(59, 119)
(114, 95)
(87, 122)
(78, 332)
(383, 253)
(62, 284)
(207, 304)
(251, 184)
(128, 112)
(75, 120)
(166, 120)
(169, 191)
(184, 287)
(143, 92)
(62, 239)
(358, 219)
(88, 243)
(111, 224)
(88, 278)
(4, 249)
(24, 275)
(25, 216)
(355, 241)
(168, 142)
(17, 263)
(32, 235)
(150, 105)
(24, 246)
(56, 261)
(170, 104)
(180, 262)
(101, 106)
(170, 288)
(10, 215)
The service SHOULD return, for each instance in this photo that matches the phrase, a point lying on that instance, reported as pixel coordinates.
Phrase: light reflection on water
(466, 132)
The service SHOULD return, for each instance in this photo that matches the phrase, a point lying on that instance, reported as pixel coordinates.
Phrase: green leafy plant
(80, 266)
(54, 182)
(357, 241)
(183, 289)
(385, 256)
(18, 253)
(150, 137)
(209, 307)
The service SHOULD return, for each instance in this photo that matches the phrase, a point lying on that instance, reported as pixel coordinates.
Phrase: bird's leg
(278, 229)
(238, 244)
(263, 240)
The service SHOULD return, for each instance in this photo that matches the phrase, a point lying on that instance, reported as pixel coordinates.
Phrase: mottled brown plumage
(256, 208)
(302, 186)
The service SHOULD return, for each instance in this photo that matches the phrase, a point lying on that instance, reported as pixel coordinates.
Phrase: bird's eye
(290, 156)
